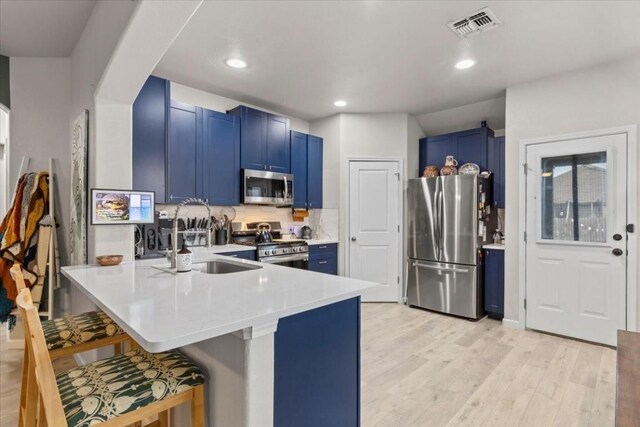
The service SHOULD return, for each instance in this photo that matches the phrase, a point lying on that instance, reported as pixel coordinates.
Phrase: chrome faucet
(173, 255)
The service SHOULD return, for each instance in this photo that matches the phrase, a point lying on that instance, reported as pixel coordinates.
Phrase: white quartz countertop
(494, 246)
(163, 311)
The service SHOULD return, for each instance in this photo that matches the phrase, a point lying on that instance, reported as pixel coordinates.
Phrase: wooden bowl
(107, 260)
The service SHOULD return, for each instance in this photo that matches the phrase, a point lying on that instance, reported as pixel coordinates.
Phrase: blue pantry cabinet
(494, 282)
(306, 167)
(149, 133)
(221, 158)
(264, 140)
(468, 146)
(496, 165)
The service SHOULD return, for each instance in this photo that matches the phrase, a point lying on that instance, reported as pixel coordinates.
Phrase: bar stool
(112, 392)
(74, 334)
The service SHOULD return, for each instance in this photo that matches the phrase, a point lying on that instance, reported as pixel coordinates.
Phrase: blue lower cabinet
(250, 255)
(317, 367)
(328, 266)
(324, 258)
(494, 283)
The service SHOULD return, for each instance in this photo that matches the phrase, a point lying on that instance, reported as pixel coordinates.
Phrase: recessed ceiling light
(340, 103)
(465, 63)
(236, 63)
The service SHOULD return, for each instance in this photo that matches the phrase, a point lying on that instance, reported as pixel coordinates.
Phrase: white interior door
(4, 162)
(576, 237)
(374, 227)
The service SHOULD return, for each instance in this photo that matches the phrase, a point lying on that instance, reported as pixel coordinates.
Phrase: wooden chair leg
(23, 386)
(163, 418)
(197, 407)
(117, 348)
(42, 418)
(31, 395)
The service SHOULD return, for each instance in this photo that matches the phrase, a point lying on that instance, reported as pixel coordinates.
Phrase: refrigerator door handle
(437, 220)
(435, 267)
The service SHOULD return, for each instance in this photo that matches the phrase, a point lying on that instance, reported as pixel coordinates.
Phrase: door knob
(353, 239)
(617, 252)
(617, 237)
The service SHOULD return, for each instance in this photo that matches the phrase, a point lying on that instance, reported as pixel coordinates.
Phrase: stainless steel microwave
(267, 188)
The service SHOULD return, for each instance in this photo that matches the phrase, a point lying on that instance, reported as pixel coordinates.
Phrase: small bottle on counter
(183, 260)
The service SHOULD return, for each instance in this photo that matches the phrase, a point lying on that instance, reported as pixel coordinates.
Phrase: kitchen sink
(225, 267)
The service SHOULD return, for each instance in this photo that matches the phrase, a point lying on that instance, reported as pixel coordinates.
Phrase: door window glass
(574, 197)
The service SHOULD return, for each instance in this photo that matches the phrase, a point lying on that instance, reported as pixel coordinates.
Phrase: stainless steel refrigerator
(450, 218)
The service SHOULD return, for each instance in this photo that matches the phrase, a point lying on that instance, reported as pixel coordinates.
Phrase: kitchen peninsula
(280, 346)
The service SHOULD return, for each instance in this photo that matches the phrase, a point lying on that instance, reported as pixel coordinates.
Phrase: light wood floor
(424, 369)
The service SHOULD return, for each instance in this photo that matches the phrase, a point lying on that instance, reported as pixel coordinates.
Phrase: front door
(374, 227)
(576, 237)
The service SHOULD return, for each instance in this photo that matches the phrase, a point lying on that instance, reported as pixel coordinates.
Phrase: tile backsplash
(323, 222)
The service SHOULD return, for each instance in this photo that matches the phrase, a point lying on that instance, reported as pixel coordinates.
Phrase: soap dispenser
(183, 260)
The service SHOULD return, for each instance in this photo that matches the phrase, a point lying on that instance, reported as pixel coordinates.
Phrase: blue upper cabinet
(264, 140)
(150, 113)
(314, 172)
(184, 151)
(253, 135)
(299, 168)
(434, 150)
(221, 158)
(498, 172)
(278, 144)
(469, 146)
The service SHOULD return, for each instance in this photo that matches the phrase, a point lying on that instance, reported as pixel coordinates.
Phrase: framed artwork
(79, 177)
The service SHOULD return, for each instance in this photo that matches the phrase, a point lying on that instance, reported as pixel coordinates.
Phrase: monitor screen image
(122, 206)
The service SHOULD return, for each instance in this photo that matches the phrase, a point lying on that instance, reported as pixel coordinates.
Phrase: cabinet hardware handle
(322, 262)
(233, 256)
(322, 247)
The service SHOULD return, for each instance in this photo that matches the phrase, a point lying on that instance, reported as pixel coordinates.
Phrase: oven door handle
(280, 258)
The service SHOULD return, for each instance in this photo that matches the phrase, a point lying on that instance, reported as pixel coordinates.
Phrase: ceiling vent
(474, 24)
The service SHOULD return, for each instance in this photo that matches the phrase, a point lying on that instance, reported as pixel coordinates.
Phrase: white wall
(219, 103)
(596, 98)
(40, 99)
(362, 136)
(465, 117)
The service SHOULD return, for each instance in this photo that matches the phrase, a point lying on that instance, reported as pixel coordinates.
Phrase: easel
(47, 260)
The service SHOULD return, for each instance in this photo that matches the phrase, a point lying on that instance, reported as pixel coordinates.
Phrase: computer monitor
(122, 207)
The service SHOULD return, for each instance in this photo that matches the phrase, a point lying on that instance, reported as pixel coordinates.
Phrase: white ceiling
(42, 28)
(393, 56)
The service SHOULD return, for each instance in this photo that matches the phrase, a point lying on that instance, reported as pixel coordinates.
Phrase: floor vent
(474, 24)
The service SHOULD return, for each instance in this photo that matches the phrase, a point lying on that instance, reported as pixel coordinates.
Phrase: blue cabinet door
(149, 132)
(278, 144)
(299, 168)
(327, 266)
(317, 367)
(221, 160)
(253, 136)
(314, 172)
(472, 147)
(494, 283)
(250, 255)
(184, 151)
(498, 180)
(434, 150)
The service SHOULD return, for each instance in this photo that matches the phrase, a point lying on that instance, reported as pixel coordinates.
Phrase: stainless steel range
(287, 252)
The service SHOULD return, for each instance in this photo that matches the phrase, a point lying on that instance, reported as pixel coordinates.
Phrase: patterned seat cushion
(69, 331)
(111, 387)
